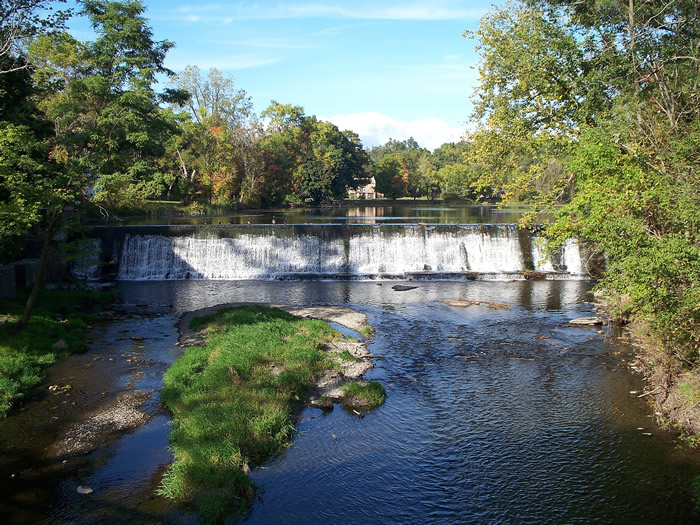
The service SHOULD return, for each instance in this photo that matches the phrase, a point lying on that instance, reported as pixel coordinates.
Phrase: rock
(463, 303)
(587, 321)
(402, 288)
(61, 344)
(137, 338)
(84, 490)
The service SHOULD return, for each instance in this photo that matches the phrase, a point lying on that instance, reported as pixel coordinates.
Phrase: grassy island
(233, 401)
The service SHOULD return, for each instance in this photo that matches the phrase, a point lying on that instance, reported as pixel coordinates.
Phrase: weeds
(347, 356)
(367, 331)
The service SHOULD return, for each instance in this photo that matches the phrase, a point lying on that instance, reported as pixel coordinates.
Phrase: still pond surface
(411, 212)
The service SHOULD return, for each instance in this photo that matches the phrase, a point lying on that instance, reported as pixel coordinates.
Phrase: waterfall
(332, 251)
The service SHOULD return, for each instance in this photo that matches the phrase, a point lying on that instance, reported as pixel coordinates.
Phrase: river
(491, 416)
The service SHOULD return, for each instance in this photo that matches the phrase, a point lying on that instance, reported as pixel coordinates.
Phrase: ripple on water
(491, 416)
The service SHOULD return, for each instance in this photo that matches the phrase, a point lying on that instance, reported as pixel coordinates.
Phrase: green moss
(233, 400)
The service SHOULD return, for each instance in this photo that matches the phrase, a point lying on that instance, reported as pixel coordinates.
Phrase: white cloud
(361, 11)
(178, 62)
(375, 129)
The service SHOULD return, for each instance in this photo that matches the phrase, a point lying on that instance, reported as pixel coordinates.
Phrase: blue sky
(381, 68)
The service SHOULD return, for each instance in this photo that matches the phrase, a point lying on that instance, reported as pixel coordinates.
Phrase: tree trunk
(50, 231)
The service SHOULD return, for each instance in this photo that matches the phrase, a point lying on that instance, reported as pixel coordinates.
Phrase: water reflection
(491, 416)
(362, 214)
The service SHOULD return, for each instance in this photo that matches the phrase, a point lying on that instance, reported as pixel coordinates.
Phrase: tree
(595, 104)
(391, 177)
(223, 134)
(332, 162)
(281, 117)
(418, 172)
(214, 100)
(21, 21)
(105, 111)
(536, 93)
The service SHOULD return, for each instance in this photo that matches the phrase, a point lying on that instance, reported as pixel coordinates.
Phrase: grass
(233, 401)
(25, 355)
(367, 331)
(347, 356)
(370, 395)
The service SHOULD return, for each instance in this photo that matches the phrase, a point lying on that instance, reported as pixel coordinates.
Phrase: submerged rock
(464, 303)
(587, 321)
(402, 287)
(84, 490)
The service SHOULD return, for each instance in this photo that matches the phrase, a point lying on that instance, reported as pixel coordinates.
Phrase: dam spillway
(322, 251)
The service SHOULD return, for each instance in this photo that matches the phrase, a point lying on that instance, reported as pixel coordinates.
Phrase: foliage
(214, 100)
(24, 356)
(22, 173)
(595, 104)
(232, 402)
(391, 177)
(22, 20)
(100, 98)
(416, 171)
(647, 224)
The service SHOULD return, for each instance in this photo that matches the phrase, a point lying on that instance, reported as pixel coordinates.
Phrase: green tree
(20, 22)
(418, 171)
(213, 100)
(613, 131)
(281, 117)
(534, 96)
(391, 176)
(105, 111)
(333, 161)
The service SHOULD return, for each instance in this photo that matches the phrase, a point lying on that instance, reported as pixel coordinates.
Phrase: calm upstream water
(491, 416)
(411, 212)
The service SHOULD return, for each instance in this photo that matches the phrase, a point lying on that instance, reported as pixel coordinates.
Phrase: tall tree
(105, 111)
(214, 100)
(332, 162)
(21, 21)
(613, 131)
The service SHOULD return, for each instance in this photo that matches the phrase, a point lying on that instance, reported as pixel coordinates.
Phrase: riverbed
(492, 415)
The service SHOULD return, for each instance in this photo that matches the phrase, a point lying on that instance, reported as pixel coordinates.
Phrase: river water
(491, 416)
(368, 213)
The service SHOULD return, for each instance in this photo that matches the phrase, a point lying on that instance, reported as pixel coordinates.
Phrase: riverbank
(56, 329)
(235, 395)
(672, 387)
(672, 384)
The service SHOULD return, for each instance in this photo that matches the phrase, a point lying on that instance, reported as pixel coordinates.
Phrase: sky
(383, 69)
